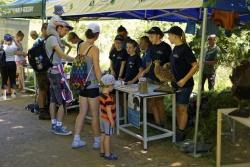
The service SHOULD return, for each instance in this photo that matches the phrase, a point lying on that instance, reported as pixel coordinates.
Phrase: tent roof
(174, 10)
(23, 9)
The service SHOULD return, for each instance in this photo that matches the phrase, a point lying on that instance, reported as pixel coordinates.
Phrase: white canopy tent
(165, 10)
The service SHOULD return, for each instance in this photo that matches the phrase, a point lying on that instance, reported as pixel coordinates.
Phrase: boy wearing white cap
(107, 116)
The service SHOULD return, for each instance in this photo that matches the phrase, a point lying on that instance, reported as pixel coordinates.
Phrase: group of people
(12, 64)
(129, 61)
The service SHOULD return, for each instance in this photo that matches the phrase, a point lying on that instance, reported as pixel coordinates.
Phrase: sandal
(111, 157)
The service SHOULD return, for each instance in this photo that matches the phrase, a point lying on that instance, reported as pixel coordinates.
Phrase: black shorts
(91, 93)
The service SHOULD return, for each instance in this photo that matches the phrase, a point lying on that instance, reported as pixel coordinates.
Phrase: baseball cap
(8, 37)
(155, 30)
(211, 36)
(94, 27)
(65, 24)
(108, 79)
(58, 10)
(119, 38)
(175, 30)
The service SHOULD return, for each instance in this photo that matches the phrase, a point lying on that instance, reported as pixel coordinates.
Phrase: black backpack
(38, 58)
(2, 58)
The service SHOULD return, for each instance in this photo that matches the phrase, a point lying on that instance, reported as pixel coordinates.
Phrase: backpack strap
(53, 51)
(78, 45)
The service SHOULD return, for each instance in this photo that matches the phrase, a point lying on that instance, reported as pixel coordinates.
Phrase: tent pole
(201, 66)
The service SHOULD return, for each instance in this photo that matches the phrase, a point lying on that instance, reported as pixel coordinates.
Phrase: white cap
(94, 27)
(108, 79)
(211, 36)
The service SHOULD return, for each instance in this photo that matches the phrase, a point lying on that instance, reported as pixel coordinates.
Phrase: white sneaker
(78, 144)
(96, 145)
(13, 95)
(4, 97)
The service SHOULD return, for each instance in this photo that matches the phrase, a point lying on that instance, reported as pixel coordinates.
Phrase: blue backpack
(79, 72)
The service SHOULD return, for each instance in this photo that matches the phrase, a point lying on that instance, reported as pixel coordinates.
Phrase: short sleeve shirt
(117, 57)
(50, 43)
(10, 51)
(211, 54)
(106, 100)
(132, 67)
(181, 63)
(160, 52)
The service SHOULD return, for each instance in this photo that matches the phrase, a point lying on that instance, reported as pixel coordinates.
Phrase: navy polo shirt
(117, 57)
(132, 67)
(181, 63)
(160, 52)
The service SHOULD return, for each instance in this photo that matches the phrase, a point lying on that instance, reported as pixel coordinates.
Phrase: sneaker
(13, 95)
(78, 144)
(60, 130)
(53, 128)
(180, 135)
(111, 157)
(96, 145)
(4, 97)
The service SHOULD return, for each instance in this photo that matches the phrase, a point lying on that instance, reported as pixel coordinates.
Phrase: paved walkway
(26, 142)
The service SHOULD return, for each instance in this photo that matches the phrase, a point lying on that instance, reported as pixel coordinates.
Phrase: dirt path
(26, 142)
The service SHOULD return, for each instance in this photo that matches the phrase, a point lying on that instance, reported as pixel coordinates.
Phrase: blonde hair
(183, 37)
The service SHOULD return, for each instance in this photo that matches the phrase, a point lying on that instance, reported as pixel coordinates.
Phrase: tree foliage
(234, 49)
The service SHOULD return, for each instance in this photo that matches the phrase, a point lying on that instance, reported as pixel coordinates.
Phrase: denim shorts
(183, 95)
(56, 89)
(106, 128)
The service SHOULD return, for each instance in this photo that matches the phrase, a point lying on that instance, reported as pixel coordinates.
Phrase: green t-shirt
(211, 54)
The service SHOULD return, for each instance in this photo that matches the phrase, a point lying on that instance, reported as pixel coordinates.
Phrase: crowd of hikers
(129, 60)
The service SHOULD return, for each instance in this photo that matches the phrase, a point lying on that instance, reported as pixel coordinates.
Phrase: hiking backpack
(38, 58)
(79, 72)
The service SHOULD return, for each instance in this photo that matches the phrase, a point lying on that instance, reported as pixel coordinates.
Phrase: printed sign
(134, 110)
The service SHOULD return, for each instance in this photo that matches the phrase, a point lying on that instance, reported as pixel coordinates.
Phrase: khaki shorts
(42, 81)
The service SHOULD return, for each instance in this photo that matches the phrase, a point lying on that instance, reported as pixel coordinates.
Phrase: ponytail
(183, 37)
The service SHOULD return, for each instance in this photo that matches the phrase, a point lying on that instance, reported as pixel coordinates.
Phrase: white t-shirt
(10, 51)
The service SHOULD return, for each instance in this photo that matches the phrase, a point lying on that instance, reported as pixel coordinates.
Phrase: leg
(161, 110)
(102, 143)
(21, 77)
(60, 113)
(107, 145)
(155, 111)
(203, 82)
(211, 81)
(12, 76)
(182, 116)
(94, 109)
(83, 106)
(4, 76)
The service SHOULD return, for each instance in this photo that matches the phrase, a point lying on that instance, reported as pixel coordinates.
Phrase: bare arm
(68, 45)
(96, 62)
(111, 68)
(136, 77)
(61, 54)
(122, 69)
(192, 71)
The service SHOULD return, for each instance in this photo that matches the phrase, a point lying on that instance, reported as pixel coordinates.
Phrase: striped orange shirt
(106, 100)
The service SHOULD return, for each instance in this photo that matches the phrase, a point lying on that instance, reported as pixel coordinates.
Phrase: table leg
(218, 149)
(174, 117)
(117, 112)
(125, 107)
(145, 135)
